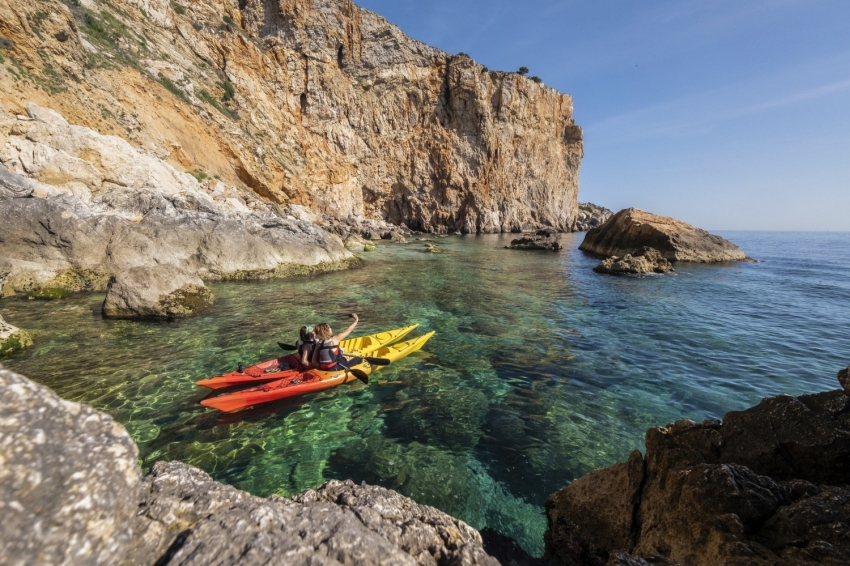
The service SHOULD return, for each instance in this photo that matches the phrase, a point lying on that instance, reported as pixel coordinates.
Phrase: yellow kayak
(365, 345)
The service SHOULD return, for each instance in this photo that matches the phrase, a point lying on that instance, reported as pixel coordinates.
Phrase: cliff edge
(318, 103)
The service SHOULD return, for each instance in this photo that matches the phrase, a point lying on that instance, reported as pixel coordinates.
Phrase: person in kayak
(300, 360)
(327, 355)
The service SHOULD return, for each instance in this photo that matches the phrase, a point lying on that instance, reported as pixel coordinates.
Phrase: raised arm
(343, 335)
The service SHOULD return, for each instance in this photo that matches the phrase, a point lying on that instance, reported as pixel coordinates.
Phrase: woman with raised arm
(327, 354)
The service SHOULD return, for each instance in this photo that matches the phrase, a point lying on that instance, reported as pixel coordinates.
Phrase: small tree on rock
(523, 71)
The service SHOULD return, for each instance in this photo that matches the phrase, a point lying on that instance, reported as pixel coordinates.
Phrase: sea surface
(541, 370)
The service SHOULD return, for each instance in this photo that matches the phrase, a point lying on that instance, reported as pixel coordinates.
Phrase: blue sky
(729, 114)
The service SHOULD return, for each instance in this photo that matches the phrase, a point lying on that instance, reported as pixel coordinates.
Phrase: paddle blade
(287, 347)
(378, 361)
(361, 375)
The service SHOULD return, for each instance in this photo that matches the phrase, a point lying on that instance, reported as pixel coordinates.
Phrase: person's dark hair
(305, 335)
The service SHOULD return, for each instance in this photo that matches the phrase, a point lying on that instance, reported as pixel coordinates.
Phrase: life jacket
(329, 355)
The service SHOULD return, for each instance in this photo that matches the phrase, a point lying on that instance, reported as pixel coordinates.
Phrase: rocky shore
(71, 492)
(80, 207)
(631, 230)
(767, 485)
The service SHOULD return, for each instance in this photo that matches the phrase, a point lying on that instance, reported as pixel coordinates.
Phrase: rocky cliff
(319, 103)
(71, 493)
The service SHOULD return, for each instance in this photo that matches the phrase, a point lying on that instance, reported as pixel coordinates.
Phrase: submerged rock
(12, 339)
(165, 291)
(768, 485)
(71, 493)
(630, 230)
(648, 260)
(545, 239)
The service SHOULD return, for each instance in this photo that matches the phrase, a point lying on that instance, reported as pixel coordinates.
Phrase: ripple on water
(540, 371)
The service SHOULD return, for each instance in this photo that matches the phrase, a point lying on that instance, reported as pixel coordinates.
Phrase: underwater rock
(71, 492)
(768, 485)
(630, 230)
(648, 260)
(12, 339)
(545, 239)
(69, 479)
(165, 291)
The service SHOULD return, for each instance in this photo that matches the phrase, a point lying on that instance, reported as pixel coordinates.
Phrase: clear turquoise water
(540, 371)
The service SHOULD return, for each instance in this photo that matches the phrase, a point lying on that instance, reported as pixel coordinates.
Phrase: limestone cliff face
(314, 102)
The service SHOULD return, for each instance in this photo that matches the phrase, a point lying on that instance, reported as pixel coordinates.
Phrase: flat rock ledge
(165, 291)
(545, 239)
(768, 485)
(12, 339)
(648, 260)
(632, 229)
(71, 492)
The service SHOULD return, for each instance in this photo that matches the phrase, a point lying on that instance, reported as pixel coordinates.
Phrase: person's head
(306, 333)
(323, 331)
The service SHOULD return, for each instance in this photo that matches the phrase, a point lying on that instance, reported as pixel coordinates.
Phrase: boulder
(768, 485)
(589, 216)
(69, 479)
(165, 291)
(648, 260)
(354, 244)
(12, 339)
(844, 379)
(630, 230)
(71, 493)
(544, 239)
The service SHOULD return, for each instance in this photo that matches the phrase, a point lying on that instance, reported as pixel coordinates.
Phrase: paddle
(360, 374)
(373, 361)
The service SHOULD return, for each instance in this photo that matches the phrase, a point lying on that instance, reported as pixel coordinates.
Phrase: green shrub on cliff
(523, 71)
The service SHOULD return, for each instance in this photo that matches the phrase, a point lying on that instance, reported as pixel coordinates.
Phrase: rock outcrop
(165, 291)
(768, 485)
(545, 239)
(631, 229)
(109, 208)
(590, 216)
(12, 339)
(69, 479)
(321, 103)
(648, 260)
(71, 492)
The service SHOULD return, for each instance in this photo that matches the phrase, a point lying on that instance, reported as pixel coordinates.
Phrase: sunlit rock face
(319, 103)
